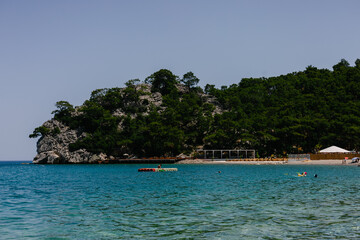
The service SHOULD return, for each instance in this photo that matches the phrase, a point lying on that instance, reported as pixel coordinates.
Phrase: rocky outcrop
(54, 148)
(213, 101)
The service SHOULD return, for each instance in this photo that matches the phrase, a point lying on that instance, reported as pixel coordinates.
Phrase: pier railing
(258, 160)
(225, 153)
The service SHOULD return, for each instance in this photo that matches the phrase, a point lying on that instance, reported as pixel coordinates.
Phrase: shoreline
(327, 162)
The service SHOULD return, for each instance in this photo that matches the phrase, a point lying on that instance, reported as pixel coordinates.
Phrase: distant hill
(166, 115)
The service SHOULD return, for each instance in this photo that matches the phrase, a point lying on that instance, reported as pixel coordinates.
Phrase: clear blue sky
(63, 50)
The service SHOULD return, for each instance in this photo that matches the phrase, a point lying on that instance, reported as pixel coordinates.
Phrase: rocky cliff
(53, 147)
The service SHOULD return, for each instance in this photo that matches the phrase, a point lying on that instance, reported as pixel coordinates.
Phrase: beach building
(329, 153)
(334, 152)
(334, 149)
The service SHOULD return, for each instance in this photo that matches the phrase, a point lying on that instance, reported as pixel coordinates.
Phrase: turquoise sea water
(197, 202)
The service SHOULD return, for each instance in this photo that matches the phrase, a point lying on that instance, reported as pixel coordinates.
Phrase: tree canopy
(298, 112)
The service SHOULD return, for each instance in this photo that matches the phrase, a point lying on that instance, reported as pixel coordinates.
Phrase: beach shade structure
(334, 149)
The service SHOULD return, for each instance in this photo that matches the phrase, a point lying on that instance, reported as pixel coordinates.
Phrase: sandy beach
(305, 162)
(323, 162)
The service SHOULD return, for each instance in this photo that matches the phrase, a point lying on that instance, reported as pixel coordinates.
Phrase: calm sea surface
(197, 202)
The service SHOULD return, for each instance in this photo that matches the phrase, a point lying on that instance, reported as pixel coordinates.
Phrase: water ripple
(117, 202)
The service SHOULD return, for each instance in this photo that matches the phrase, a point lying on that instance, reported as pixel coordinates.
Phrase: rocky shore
(54, 148)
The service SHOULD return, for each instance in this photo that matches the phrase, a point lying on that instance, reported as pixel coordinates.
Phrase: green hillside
(167, 115)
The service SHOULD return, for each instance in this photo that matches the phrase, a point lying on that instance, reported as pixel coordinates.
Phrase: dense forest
(166, 115)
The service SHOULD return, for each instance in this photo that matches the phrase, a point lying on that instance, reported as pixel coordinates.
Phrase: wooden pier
(154, 160)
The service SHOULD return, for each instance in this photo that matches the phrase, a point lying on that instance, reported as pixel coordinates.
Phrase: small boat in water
(157, 170)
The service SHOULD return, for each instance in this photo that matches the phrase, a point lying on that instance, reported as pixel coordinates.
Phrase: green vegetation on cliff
(295, 113)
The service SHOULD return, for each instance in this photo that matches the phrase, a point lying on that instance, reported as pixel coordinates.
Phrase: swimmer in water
(315, 175)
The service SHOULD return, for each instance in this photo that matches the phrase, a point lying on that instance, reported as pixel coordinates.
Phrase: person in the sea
(315, 175)
(159, 166)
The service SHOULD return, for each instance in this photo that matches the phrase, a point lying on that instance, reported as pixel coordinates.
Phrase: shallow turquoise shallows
(197, 202)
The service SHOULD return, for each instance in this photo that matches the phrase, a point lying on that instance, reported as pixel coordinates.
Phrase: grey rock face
(54, 148)
(213, 101)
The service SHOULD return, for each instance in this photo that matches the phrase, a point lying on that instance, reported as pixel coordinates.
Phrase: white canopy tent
(334, 149)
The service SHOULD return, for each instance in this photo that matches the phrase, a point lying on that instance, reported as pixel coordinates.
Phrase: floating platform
(157, 170)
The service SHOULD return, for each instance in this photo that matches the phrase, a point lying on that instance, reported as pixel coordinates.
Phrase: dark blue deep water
(197, 202)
